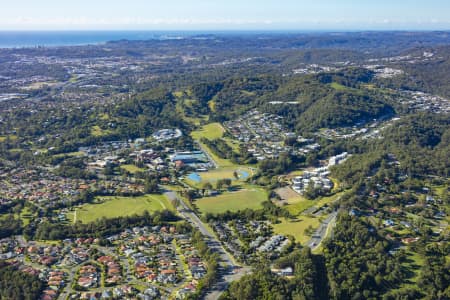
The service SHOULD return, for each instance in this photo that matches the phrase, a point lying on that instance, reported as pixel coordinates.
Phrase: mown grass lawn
(328, 199)
(132, 168)
(221, 162)
(72, 154)
(210, 131)
(212, 176)
(412, 265)
(114, 206)
(247, 197)
(439, 190)
(297, 227)
(214, 131)
(296, 173)
(300, 205)
(25, 215)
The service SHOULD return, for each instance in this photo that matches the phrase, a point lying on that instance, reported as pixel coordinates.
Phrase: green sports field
(248, 197)
(112, 206)
(214, 175)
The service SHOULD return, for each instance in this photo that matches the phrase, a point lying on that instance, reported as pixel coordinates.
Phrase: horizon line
(230, 30)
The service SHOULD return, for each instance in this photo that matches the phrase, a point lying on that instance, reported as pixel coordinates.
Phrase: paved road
(68, 288)
(21, 240)
(215, 164)
(310, 210)
(321, 232)
(230, 271)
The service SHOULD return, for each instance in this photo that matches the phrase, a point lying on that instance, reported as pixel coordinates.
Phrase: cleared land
(292, 201)
(248, 197)
(288, 195)
(297, 227)
(112, 206)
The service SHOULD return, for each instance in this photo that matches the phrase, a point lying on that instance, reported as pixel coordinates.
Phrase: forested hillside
(307, 103)
(15, 284)
(429, 76)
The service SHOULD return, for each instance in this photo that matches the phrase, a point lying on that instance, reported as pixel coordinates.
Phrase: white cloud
(83, 22)
(126, 21)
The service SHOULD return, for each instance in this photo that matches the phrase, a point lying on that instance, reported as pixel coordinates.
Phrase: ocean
(22, 39)
(27, 39)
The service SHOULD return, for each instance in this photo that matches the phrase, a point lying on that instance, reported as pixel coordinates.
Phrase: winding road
(230, 271)
(321, 232)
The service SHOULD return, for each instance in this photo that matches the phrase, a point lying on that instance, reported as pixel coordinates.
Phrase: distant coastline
(32, 39)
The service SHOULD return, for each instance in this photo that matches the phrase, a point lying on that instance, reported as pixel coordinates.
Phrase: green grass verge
(73, 79)
(301, 205)
(221, 162)
(297, 227)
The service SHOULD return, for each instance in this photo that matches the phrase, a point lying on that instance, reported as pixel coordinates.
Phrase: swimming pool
(195, 177)
(243, 174)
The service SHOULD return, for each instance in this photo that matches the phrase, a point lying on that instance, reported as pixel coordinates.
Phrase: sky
(225, 15)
